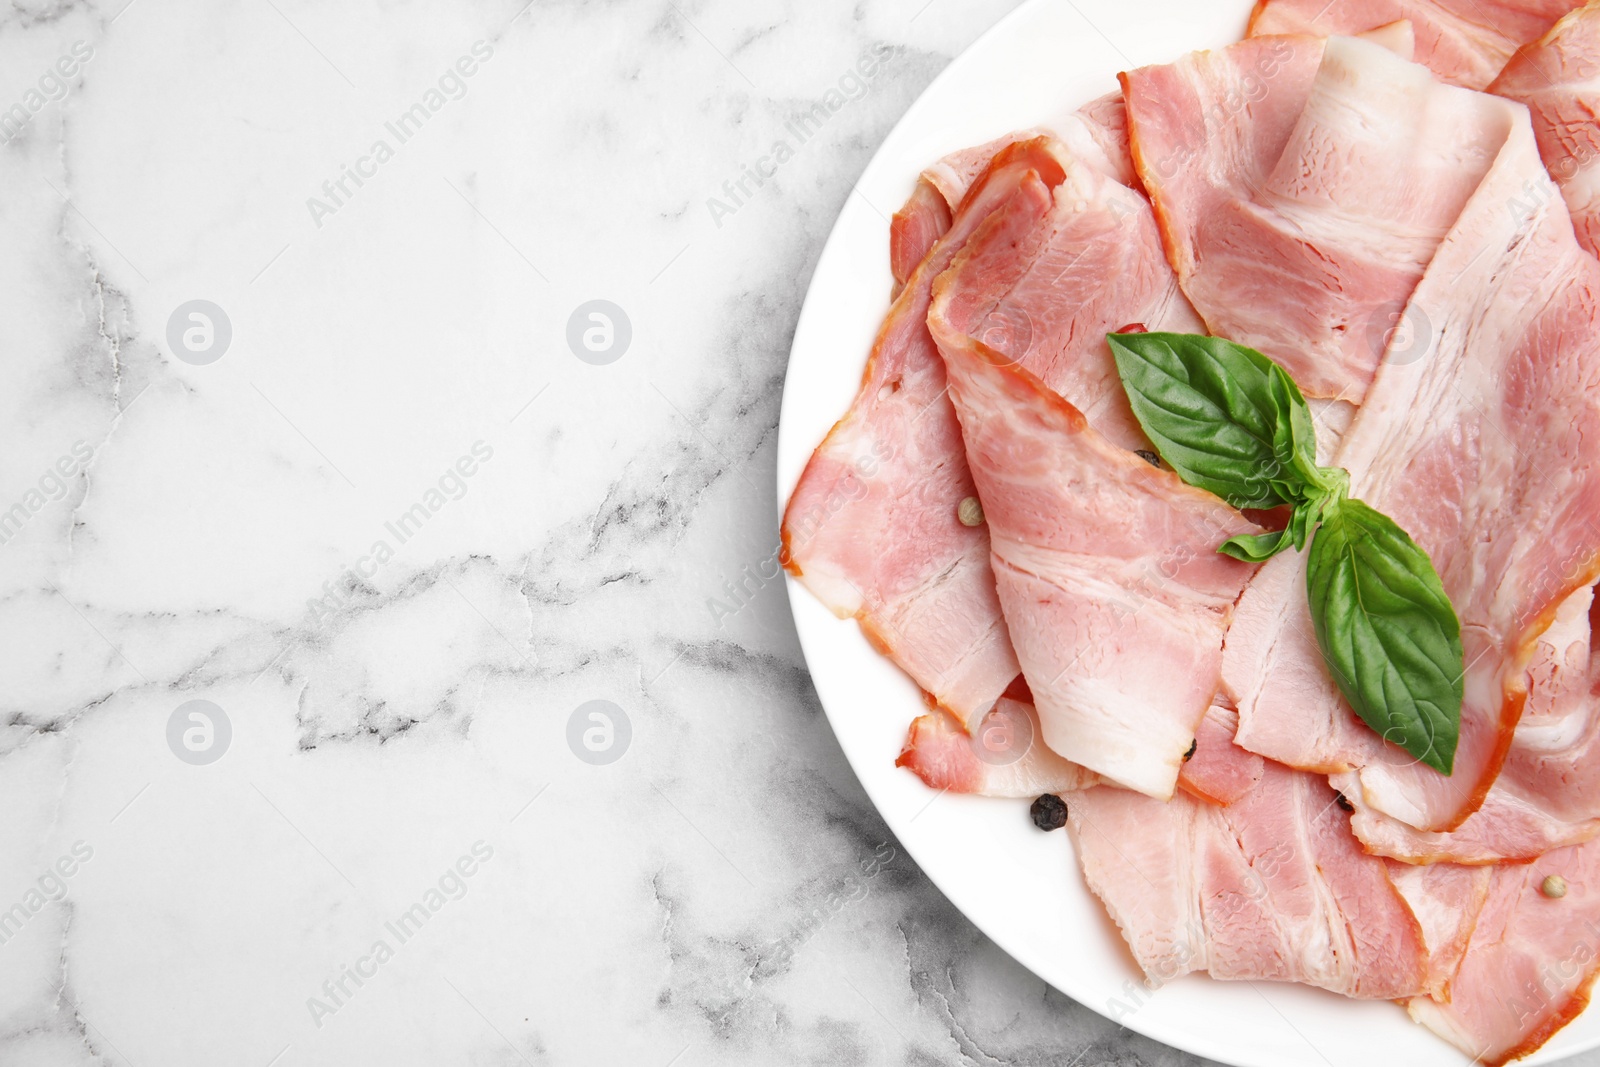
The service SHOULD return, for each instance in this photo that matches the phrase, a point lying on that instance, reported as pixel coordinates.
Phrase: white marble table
(368, 505)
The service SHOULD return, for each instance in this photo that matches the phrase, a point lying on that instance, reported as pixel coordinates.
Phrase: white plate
(1021, 887)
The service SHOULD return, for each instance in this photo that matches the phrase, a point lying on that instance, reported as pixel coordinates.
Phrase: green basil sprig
(1229, 420)
(1387, 631)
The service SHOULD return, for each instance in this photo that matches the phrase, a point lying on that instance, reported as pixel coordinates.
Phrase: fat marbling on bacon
(1095, 135)
(1086, 537)
(1049, 275)
(1558, 77)
(872, 529)
(1529, 961)
(1270, 887)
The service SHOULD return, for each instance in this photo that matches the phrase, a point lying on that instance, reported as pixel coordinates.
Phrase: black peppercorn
(1343, 802)
(1148, 456)
(1049, 812)
(1193, 747)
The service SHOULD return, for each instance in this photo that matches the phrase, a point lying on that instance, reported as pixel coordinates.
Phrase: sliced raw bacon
(872, 528)
(928, 212)
(1555, 753)
(1037, 287)
(1464, 42)
(1511, 826)
(1558, 77)
(1530, 962)
(1486, 449)
(915, 229)
(1302, 190)
(1271, 887)
(1219, 771)
(1047, 277)
(1308, 192)
(1446, 899)
(1096, 135)
(1002, 758)
(1107, 571)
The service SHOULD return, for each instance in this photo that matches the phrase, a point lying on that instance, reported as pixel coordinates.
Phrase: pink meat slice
(872, 528)
(1220, 771)
(915, 229)
(1446, 899)
(1558, 77)
(1485, 447)
(1510, 827)
(1002, 758)
(1303, 187)
(1048, 276)
(1271, 887)
(1038, 286)
(1530, 962)
(1464, 42)
(1107, 571)
(1096, 135)
(1555, 752)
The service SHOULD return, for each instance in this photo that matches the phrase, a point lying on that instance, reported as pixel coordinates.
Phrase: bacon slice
(1486, 449)
(1220, 771)
(1004, 757)
(1302, 190)
(1555, 753)
(1558, 77)
(1107, 571)
(1096, 135)
(1446, 899)
(1270, 887)
(1051, 272)
(1530, 962)
(1510, 827)
(1464, 42)
(927, 214)
(1047, 277)
(915, 229)
(871, 528)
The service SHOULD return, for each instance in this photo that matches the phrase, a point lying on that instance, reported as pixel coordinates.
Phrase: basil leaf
(1302, 445)
(1224, 417)
(1387, 631)
(1253, 548)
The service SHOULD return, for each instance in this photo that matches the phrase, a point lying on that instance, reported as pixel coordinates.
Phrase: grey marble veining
(398, 533)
